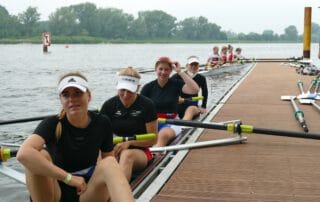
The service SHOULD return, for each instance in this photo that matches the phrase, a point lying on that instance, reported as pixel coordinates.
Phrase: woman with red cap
(164, 92)
(61, 155)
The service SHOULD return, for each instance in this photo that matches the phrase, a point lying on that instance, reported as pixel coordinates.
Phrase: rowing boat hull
(227, 68)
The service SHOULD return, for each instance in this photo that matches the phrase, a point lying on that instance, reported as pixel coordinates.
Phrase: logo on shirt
(135, 113)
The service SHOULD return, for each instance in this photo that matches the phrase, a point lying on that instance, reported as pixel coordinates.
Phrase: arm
(204, 89)
(30, 156)
(152, 127)
(190, 86)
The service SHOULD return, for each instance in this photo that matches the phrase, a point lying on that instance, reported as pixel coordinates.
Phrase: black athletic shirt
(202, 83)
(165, 98)
(77, 148)
(130, 121)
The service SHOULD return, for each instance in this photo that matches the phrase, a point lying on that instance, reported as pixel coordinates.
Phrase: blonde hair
(129, 71)
(62, 113)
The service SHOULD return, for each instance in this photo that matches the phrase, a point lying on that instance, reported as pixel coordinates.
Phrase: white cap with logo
(193, 59)
(128, 83)
(73, 81)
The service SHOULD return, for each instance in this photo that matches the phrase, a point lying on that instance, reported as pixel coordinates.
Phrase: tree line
(113, 24)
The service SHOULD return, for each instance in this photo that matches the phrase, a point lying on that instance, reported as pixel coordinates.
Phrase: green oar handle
(148, 136)
(197, 98)
(6, 153)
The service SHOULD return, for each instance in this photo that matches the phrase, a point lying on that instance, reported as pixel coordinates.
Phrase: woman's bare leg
(132, 160)
(165, 135)
(42, 188)
(107, 182)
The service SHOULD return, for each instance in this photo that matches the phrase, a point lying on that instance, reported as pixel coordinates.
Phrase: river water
(29, 78)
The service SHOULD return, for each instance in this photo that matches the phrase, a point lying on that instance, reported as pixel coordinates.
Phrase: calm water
(29, 77)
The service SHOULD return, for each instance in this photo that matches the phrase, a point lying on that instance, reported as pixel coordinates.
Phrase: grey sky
(232, 15)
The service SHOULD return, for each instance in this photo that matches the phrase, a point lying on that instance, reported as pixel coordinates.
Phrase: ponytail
(59, 125)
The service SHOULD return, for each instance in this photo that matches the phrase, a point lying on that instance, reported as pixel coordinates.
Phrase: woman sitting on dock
(164, 92)
(189, 109)
(61, 155)
(131, 114)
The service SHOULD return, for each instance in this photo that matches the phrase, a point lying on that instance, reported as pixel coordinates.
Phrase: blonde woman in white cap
(131, 114)
(61, 155)
(189, 109)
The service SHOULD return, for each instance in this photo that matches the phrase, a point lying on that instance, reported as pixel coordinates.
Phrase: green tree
(158, 23)
(64, 21)
(113, 23)
(267, 35)
(291, 33)
(315, 32)
(29, 20)
(86, 15)
(9, 25)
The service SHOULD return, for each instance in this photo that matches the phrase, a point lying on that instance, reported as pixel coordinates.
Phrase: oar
(225, 141)
(192, 99)
(148, 136)
(6, 153)
(300, 86)
(313, 82)
(23, 120)
(308, 101)
(298, 114)
(241, 128)
(153, 70)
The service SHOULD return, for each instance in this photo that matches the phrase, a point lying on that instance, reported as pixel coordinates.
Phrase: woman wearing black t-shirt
(60, 157)
(131, 114)
(164, 92)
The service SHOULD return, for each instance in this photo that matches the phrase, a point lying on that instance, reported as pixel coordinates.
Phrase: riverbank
(99, 40)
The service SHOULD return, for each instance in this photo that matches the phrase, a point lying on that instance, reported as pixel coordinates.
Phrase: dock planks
(266, 168)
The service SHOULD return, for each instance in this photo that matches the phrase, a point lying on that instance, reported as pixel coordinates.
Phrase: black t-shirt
(77, 148)
(130, 121)
(202, 83)
(165, 98)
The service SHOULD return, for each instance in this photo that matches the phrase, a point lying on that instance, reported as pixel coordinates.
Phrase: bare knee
(126, 156)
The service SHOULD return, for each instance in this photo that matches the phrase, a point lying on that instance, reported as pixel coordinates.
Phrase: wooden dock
(265, 168)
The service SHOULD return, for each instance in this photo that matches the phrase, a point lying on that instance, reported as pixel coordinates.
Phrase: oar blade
(287, 97)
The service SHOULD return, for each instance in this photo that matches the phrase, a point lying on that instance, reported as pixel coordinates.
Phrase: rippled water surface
(29, 78)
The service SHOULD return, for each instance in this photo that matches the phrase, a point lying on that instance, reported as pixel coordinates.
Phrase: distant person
(238, 55)
(230, 54)
(214, 58)
(131, 114)
(164, 92)
(189, 109)
(223, 55)
(61, 155)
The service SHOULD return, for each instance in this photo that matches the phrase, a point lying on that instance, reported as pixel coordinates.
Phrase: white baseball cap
(193, 59)
(128, 82)
(73, 81)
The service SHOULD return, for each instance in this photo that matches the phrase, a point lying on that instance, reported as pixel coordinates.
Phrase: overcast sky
(232, 15)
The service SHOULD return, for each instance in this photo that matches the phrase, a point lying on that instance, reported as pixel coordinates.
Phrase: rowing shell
(18, 176)
(226, 68)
